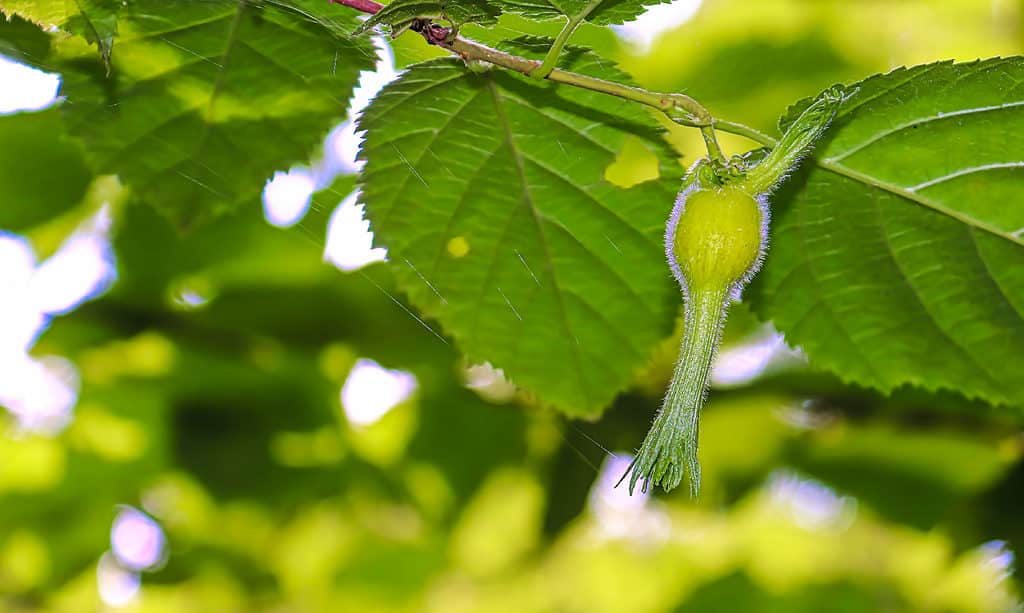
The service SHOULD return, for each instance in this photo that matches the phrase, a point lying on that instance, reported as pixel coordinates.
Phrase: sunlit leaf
(22, 40)
(489, 192)
(208, 98)
(898, 257)
(94, 20)
(605, 12)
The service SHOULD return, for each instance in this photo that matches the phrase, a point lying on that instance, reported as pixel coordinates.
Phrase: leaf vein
(531, 206)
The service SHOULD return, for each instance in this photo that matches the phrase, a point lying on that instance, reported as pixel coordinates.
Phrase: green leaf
(208, 98)
(897, 258)
(22, 40)
(400, 14)
(736, 591)
(489, 192)
(95, 20)
(606, 12)
(41, 173)
(97, 23)
(915, 475)
(44, 12)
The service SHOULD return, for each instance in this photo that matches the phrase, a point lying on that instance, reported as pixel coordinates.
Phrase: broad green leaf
(42, 174)
(533, 9)
(94, 20)
(600, 12)
(97, 23)
(44, 12)
(489, 192)
(22, 40)
(208, 98)
(898, 258)
(400, 14)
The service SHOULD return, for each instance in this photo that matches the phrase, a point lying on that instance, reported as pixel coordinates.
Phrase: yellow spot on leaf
(458, 247)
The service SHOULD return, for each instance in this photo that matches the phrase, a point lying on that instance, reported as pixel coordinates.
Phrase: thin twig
(680, 108)
(366, 6)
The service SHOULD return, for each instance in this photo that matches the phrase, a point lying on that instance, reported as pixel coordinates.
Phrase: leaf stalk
(551, 59)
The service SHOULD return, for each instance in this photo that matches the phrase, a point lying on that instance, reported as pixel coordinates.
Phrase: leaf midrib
(927, 308)
(103, 48)
(229, 46)
(920, 121)
(915, 197)
(528, 200)
(834, 165)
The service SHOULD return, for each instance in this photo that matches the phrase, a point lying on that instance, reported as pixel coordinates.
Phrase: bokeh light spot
(137, 540)
(117, 585)
(26, 88)
(286, 197)
(349, 240)
(370, 391)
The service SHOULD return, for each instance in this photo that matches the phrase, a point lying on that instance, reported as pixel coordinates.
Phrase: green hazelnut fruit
(714, 241)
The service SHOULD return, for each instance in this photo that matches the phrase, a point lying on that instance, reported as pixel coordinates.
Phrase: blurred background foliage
(251, 429)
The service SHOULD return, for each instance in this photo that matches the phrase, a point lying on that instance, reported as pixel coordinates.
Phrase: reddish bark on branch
(366, 6)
